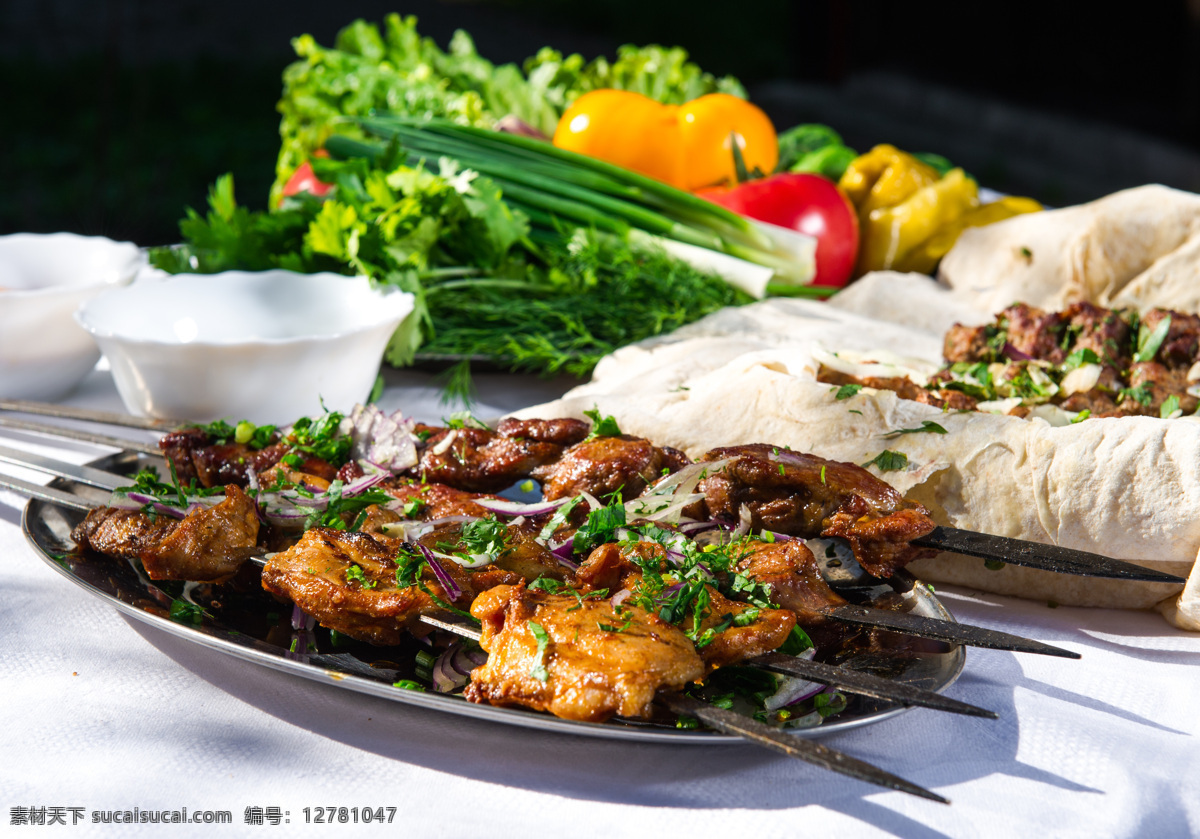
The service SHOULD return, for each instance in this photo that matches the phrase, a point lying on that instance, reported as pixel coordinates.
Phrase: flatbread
(1124, 487)
(1089, 252)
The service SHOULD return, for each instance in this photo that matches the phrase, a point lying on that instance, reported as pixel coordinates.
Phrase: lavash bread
(1124, 487)
(1098, 252)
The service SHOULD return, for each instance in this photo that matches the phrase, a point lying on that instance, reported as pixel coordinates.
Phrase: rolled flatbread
(1087, 252)
(1123, 487)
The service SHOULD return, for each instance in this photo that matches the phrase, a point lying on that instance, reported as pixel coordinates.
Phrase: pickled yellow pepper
(909, 217)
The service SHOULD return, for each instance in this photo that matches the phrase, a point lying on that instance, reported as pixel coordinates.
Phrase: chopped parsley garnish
(1149, 342)
(341, 507)
(560, 517)
(845, 391)
(1143, 394)
(408, 684)
(1169, 406)
(927, 427)
(828, 704)
(539, 671)
(796, 643)
(483, 536)
(354, 574)
(1079, 358)
(888, 461)
(601, 427)
(1081, 416)
(601, 527)
(463, 419)
(320, 438)
(413, 507)
(184, 612)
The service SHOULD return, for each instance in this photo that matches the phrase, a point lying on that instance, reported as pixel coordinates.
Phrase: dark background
(118, 113)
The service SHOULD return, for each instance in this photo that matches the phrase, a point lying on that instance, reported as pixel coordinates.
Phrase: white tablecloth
(102, 713)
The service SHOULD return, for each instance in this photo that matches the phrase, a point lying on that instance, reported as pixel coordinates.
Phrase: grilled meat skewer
(529, 561)
(1030, 554)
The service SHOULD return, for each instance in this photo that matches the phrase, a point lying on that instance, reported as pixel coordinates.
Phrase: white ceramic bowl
(43, 279)
(265, 346)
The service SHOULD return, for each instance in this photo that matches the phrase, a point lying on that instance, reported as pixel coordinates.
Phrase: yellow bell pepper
(688, 146)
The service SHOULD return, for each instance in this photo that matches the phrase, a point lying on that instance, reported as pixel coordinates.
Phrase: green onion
(554, 186)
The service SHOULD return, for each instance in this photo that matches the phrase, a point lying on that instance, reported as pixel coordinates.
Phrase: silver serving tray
(127, 589)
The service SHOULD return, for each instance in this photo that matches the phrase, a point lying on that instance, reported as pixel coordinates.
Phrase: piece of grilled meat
(208, 545)
(482, 460)
(605, 465)
(592, 662)
(808, 496)
(318, 575)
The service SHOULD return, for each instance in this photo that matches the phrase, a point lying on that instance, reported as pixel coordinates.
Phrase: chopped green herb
(1169, 406)
(888, 461)
(822, 474)
(539, 671)
(1081, 416)
(526, 486)
(413, 507)
(408, 684)
(560, 517)
(354, 574)
(184, 612)
(601, 427)
(601, 527)
(927, 427)
(687, 723)
(796, 643)
(1149, 342)
(1079, 358)
(845, 391)
(828, 704)
(1143, 394)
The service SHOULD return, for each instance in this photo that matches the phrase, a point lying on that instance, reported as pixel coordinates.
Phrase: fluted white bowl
(269, 346)
(44, 277)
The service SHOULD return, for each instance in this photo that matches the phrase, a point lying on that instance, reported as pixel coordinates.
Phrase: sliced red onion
(692, 527)
(444, 579)
(1013, 354)
(368, 480)
(382, 439)
(745, 518)
(471, 561)
(685, 480)
(445, 443)
(591, 500)
(445, 678)
(792, 689)
(516, 508)
(467, 658)
(620, 597)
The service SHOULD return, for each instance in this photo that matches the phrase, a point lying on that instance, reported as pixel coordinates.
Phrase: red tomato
(303, 179)
(806, 203)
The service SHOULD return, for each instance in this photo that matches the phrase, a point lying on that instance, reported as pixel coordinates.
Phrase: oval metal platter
(250, 630)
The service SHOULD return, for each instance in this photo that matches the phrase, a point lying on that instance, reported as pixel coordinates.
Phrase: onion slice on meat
(517, 508)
